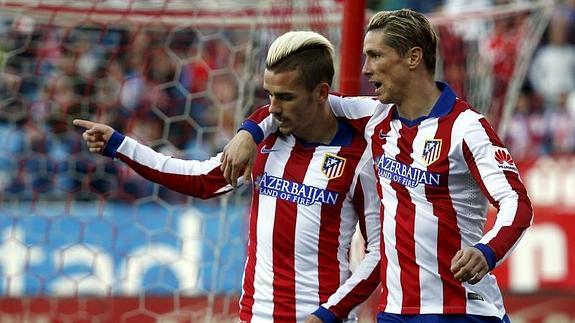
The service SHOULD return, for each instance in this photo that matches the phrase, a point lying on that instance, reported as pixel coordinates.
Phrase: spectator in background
(553, 68)
(526, 134)
(565, 10)
(500, 51)
(454, 67)
(561, 127)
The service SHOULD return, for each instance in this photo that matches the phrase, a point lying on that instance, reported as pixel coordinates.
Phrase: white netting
(90, 240)
(485, 52)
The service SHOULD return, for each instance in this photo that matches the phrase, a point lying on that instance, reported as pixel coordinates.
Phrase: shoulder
(465, 113)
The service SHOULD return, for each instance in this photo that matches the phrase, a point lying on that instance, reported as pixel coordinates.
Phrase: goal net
(83, 238)
(485, 51)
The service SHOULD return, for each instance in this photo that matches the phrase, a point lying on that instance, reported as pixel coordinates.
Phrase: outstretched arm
(202, 179)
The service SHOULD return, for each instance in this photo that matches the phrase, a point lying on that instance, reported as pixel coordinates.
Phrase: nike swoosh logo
(383, 135)
(266, 150)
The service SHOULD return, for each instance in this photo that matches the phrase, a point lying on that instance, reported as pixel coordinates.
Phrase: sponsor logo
(431, 151)
(474, 297)
(265, 150)
(332, 166)
(504, 160)
(294, 192)
(383, 135)
(405, 175)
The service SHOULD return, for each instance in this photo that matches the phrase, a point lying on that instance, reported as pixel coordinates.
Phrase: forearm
(202, 179)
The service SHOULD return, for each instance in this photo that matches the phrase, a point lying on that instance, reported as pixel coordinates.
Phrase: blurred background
(85, 239)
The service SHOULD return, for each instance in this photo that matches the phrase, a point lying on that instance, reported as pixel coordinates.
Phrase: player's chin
(285, 130)
(384, 98)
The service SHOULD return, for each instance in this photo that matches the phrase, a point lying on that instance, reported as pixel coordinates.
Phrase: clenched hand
(96, 134)
(469, 265)
(238, 157)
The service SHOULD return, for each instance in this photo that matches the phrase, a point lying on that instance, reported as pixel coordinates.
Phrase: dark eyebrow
(371, 52)
(278, 93)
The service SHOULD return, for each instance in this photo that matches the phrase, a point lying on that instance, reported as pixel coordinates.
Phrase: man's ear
(414, 57)
(323, 91)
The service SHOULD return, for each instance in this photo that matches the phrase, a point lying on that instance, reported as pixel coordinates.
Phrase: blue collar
(442, 107)
(343, 136)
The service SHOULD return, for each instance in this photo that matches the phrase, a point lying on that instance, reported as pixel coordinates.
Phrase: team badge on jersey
(504, 160)
(332, 166)
(431, 151)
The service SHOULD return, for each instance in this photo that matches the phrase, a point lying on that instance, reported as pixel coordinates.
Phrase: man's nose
(274, 107)
(365, 69)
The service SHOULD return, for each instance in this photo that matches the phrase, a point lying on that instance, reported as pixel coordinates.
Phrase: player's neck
(419, 99)
(322, 128)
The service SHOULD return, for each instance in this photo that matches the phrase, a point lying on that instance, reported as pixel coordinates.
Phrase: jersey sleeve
(365, 278)
(202, 179)
(260, 124)
(353, 107)
(492, 167)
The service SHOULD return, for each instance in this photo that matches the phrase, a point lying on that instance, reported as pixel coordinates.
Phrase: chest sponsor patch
(405, 175)
(332, 166)
(294, 192)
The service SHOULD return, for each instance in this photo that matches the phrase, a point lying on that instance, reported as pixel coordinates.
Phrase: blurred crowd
(544, 118)
(180, 90)
(176, 91)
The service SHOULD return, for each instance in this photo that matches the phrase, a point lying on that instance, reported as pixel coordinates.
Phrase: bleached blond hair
(305, 51)
(294, 41)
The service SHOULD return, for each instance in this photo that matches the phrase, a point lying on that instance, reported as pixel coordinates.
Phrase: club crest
(431, 151)
(332, 166)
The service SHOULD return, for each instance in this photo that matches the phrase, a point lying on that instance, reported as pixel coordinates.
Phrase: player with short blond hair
(313, 184)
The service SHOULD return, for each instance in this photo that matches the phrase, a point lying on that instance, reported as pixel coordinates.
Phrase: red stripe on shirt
(448, 235)
(247, 299)
(508, 236)
(284, 238)
(260, 114)
(330, 222)
(202, 186)
(377, 152)
(405, 229)
(362, 290)
(470, 160)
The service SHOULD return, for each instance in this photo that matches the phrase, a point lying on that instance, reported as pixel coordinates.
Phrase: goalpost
(86, 239)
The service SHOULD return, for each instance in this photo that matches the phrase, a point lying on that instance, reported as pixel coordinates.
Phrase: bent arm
(357, 110)
(261, 124)
(495, 172)
(365, 278)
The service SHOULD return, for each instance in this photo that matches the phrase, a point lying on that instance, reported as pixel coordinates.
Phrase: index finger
(83, 123)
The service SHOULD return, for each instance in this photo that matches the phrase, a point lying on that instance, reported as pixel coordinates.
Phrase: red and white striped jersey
(307, 201)
(435, 176)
